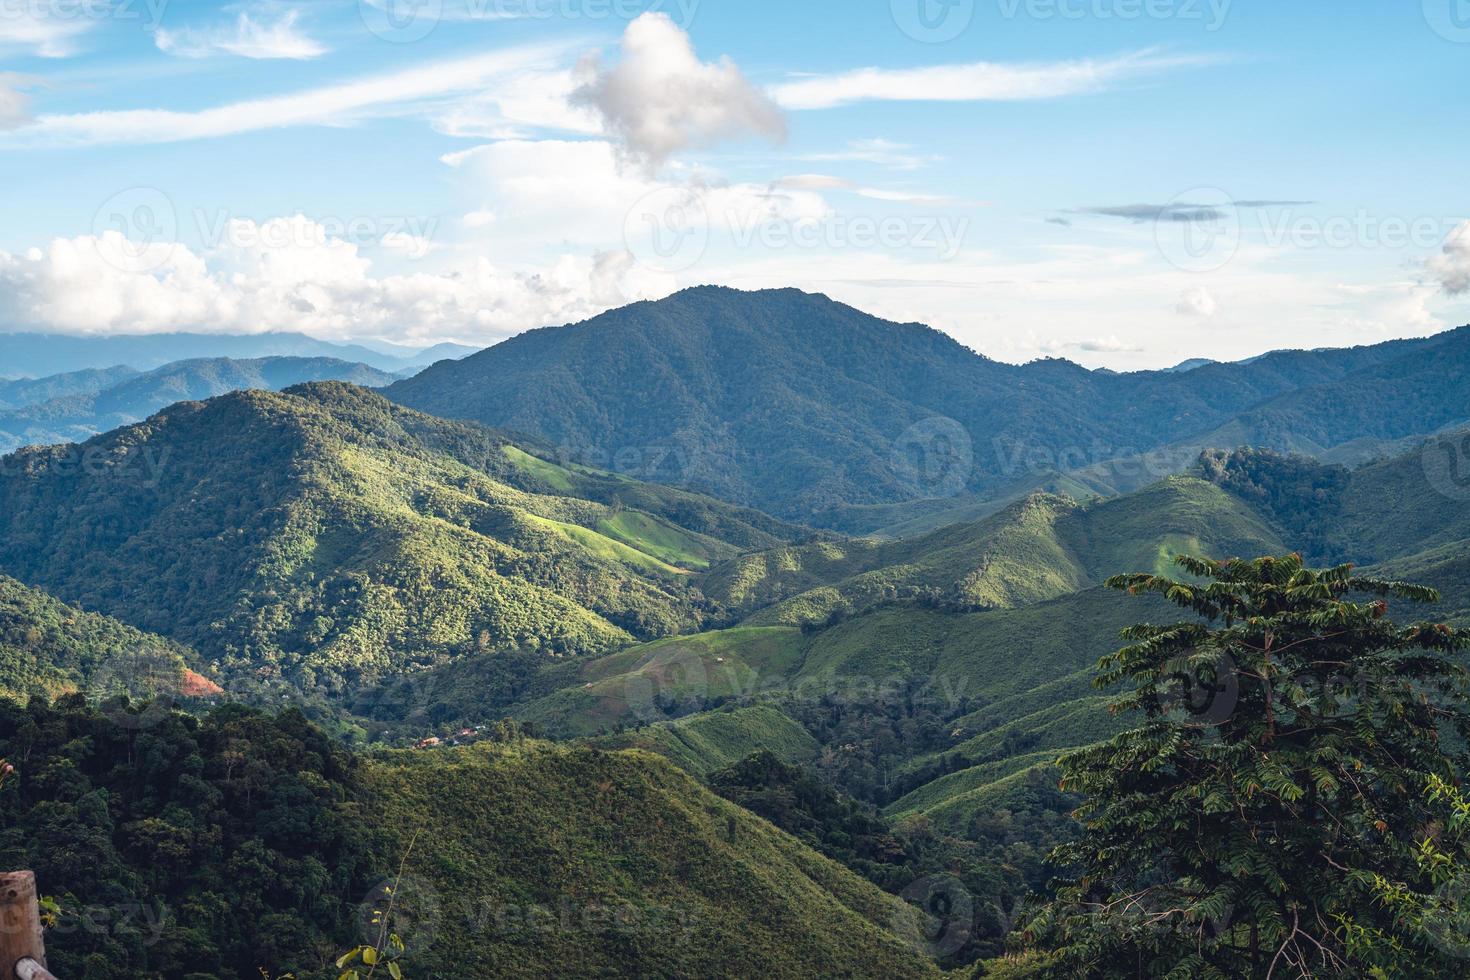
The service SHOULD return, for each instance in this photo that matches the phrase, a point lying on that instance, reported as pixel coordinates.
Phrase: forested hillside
(935, 711)
(240, 844)
(323, 537)
(720, 678)
(808, 408)
(49, 648)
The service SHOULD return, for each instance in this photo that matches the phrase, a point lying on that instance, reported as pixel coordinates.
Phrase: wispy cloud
(913, 197)
(811, 182)
(879, 152)
(28, 28)
(1182, 211)
(1178, 211)
(245, 38)
(983, 81)
(328, 106)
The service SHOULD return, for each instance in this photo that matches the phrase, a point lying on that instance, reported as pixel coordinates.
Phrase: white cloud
(478, 219)
(26, 26)
(905, 197)
(519, 104)
(15, 110)
(812, 182)
(1093, 345)
(565, 191)
(331, 105)
(1197, 301)
(660, 99)
(1451, 268)
(246, 38)
(406, 244)
(880, 152)
(288, 273)
(976, 82)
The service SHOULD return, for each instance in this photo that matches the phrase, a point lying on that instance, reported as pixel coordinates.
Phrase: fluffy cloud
(246, 38)
(1451, 268)
(574, 192)
(1197, 301)
(546, 241)
(288, 273)
(660, 99)
(1093, 345)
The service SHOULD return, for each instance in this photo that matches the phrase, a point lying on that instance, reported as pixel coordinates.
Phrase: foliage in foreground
(182, 847)
(1291, 804)
(243, 845)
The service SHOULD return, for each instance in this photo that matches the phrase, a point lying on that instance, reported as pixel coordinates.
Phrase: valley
(611, 723)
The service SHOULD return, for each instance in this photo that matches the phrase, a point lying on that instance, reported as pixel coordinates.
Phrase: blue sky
(1126, 183)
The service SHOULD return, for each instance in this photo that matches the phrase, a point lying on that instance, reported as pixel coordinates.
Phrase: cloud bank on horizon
(360, 173)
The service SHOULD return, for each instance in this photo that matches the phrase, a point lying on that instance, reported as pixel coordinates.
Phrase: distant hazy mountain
(30, 391)
(813, 410)
(1191, 364)
(83, 408)
(34, 355)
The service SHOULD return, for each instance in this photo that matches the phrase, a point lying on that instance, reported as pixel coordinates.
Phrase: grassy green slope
(573, 862)
(712, 740)
(1008, 558)
(1408, 504)
(1146, 530)
(647, 682)
(323, 537)
(1446, 568)
(1035, 550)
(1015, 681)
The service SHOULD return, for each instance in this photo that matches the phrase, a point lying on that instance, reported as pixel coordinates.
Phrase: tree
(1290, 805)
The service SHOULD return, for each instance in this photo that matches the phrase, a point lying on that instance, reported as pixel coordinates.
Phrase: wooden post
(20, 922)
(29, 969)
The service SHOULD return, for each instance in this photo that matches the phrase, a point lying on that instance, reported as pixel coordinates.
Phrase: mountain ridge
(320, 537)
(808, 408)
(95, 408)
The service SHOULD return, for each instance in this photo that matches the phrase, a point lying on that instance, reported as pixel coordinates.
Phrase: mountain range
(816, 412)
(74, 407)
(1003, 619)
(36, 355)
(784, 737)
(322, 536)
